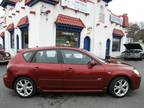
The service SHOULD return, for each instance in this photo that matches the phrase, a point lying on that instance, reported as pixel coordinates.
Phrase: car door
(77, 73)
(47, 69)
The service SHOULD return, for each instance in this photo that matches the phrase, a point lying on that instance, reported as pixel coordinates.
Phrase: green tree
(136, 31)
(132, 30)
(139, 35)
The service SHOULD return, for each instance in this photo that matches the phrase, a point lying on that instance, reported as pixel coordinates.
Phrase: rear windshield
(27, 56)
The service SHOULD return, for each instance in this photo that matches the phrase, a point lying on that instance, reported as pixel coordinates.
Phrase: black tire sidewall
(33, 84)
(111, 87)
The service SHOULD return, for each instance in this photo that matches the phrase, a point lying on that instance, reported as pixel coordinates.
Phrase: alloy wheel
(24, 87)
(121, 87)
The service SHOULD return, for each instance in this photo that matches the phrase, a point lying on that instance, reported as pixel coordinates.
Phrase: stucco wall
(42, 28)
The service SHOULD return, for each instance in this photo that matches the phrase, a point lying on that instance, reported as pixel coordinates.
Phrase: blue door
(87, 43)
(107, 48)
(17, 42)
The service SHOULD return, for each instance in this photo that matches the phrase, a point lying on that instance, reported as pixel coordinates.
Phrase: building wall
(42, 27)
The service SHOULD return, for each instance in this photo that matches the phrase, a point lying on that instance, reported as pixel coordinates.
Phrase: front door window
(75, 57)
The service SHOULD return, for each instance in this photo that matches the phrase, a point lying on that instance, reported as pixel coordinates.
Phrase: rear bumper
(7, 82)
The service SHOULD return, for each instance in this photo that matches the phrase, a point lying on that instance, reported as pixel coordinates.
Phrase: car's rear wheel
(119, 87)
(25, 87)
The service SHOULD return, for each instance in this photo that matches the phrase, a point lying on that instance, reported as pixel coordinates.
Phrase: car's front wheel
(119, 87)
(25, 87)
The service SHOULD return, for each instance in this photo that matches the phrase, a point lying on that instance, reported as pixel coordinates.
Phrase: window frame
(62, 58)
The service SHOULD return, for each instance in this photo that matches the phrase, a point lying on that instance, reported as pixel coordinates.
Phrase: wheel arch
(19, 76)
(117, 76)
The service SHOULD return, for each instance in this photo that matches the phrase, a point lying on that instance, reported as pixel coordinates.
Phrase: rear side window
(27, 56)
(45, 56)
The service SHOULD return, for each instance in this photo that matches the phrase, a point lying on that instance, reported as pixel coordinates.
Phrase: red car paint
(68, 77)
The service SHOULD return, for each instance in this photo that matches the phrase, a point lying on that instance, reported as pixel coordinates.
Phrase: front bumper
(131, 55)
(135, 82)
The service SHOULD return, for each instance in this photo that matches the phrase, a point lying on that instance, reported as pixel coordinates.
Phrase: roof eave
(107, 1)
(33, 2)
(4, 3)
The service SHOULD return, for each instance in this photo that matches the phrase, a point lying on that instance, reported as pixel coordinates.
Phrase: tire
(140, 58)
(143, 56)
(119, 87)
(25, 87)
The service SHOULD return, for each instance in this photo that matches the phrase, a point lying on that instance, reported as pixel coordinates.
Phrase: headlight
(136, 72)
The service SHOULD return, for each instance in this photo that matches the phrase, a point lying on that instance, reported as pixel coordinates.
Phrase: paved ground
(8, 98)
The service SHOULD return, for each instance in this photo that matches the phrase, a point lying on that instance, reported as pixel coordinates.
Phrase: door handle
(36, 68)
(69, 70)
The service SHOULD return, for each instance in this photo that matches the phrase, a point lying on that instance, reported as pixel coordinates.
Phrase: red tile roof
(118, 32)
(4, 3)
(10, 27)
(27, 1)
(67, 20)
(23, 21)
(1, 34)
(15, 1)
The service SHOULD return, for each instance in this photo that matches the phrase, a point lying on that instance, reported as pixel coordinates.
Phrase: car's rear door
(47, 69)
(78, 75)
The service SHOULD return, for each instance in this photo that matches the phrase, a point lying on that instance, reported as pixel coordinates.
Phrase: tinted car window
(75, 57)
(27, 56)
(46, 56)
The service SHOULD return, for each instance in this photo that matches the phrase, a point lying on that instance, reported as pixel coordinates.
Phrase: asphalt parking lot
(8, 98)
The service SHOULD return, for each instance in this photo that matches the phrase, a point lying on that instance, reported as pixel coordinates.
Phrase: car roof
(44, 48)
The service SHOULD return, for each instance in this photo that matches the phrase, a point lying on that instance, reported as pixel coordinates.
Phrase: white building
(77, 23)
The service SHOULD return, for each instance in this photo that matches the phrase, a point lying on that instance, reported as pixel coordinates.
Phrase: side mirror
(92, 63)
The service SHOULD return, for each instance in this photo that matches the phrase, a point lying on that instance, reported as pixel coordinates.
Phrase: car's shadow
(61, 95)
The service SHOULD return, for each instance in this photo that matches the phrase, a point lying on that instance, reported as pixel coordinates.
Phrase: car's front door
(47, 69)
(78, 75)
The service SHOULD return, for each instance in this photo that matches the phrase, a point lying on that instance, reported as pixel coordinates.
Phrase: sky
(134, 9)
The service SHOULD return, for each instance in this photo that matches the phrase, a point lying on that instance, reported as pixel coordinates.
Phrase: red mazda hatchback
(62, 69)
